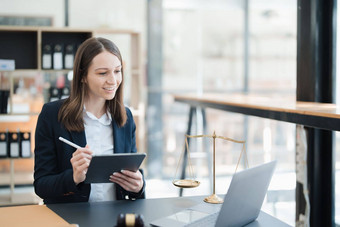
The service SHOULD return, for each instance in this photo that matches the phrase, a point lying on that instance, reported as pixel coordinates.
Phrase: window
(204, 51)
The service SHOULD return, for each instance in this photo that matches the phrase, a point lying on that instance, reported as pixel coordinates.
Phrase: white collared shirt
(99, 137)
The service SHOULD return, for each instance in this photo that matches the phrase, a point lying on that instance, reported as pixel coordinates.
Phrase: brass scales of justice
(192, 183)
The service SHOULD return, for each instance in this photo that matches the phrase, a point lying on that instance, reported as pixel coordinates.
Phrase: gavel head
(130, 220)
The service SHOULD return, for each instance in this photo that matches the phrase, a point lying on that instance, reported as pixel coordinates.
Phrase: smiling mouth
(110, 88)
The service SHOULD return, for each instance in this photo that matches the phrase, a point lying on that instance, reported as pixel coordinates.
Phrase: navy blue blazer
(53, 173)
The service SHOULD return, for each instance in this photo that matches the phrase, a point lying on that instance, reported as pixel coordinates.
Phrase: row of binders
(15, 144)
(58, 56)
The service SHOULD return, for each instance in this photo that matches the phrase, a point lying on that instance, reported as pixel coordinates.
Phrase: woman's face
(104, 76)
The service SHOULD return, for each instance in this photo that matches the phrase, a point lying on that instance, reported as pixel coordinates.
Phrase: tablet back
(101, 167)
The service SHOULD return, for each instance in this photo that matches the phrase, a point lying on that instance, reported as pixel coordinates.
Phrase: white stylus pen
(69, 142)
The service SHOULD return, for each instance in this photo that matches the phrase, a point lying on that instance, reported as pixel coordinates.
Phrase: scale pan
(186, 183)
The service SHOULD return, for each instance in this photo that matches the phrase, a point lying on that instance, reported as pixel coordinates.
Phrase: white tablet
(101, 167)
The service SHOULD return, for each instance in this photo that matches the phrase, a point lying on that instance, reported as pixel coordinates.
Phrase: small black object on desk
(130, 220)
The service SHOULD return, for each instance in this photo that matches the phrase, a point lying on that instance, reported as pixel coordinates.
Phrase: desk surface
(31, 216)
(102, 214)
(318, 115)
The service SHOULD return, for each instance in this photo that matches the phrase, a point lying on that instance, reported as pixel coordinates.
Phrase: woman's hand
(80, 161)
(130, 181)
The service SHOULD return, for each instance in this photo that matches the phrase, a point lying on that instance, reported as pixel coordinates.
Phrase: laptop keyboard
(208, 221)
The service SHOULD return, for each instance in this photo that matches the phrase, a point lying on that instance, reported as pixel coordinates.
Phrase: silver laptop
(242, 203)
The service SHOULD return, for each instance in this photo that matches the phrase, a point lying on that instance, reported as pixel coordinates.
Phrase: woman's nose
(112, 78)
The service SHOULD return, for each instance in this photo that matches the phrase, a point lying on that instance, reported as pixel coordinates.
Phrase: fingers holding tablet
(129, 180)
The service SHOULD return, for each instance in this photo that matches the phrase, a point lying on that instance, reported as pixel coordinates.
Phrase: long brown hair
(71, 112)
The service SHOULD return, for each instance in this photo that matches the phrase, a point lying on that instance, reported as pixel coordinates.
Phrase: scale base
(213, 199)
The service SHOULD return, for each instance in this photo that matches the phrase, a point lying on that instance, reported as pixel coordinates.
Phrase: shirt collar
(105, 119)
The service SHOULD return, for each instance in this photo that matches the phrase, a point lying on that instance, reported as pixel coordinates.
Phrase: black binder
(69, 56)
(3, 144)
(46, 56)
(25, 144)
(64, 92)
(54, 94)
(4, 95)
(13, 145)
(58, 57)
(1, 100)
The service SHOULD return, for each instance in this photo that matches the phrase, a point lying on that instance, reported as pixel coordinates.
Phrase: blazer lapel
(79, 138)
(118, 138)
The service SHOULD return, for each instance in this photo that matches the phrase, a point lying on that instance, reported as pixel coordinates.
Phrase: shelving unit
(24, 45)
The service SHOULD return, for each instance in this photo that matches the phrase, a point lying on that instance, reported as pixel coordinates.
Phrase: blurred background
(185, 47)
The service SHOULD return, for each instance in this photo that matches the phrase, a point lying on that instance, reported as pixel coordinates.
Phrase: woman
(94, 117)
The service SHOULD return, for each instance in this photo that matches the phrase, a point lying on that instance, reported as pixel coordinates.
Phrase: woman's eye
(102, 73)
(117, 71)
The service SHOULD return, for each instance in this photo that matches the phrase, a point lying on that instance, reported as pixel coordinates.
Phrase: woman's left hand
(130, 181)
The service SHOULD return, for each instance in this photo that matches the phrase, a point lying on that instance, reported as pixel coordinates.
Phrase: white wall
(53, 8)
(114, 14)
(126, 14)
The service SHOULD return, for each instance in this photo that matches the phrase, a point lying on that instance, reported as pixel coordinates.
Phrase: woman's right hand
(80, 161)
